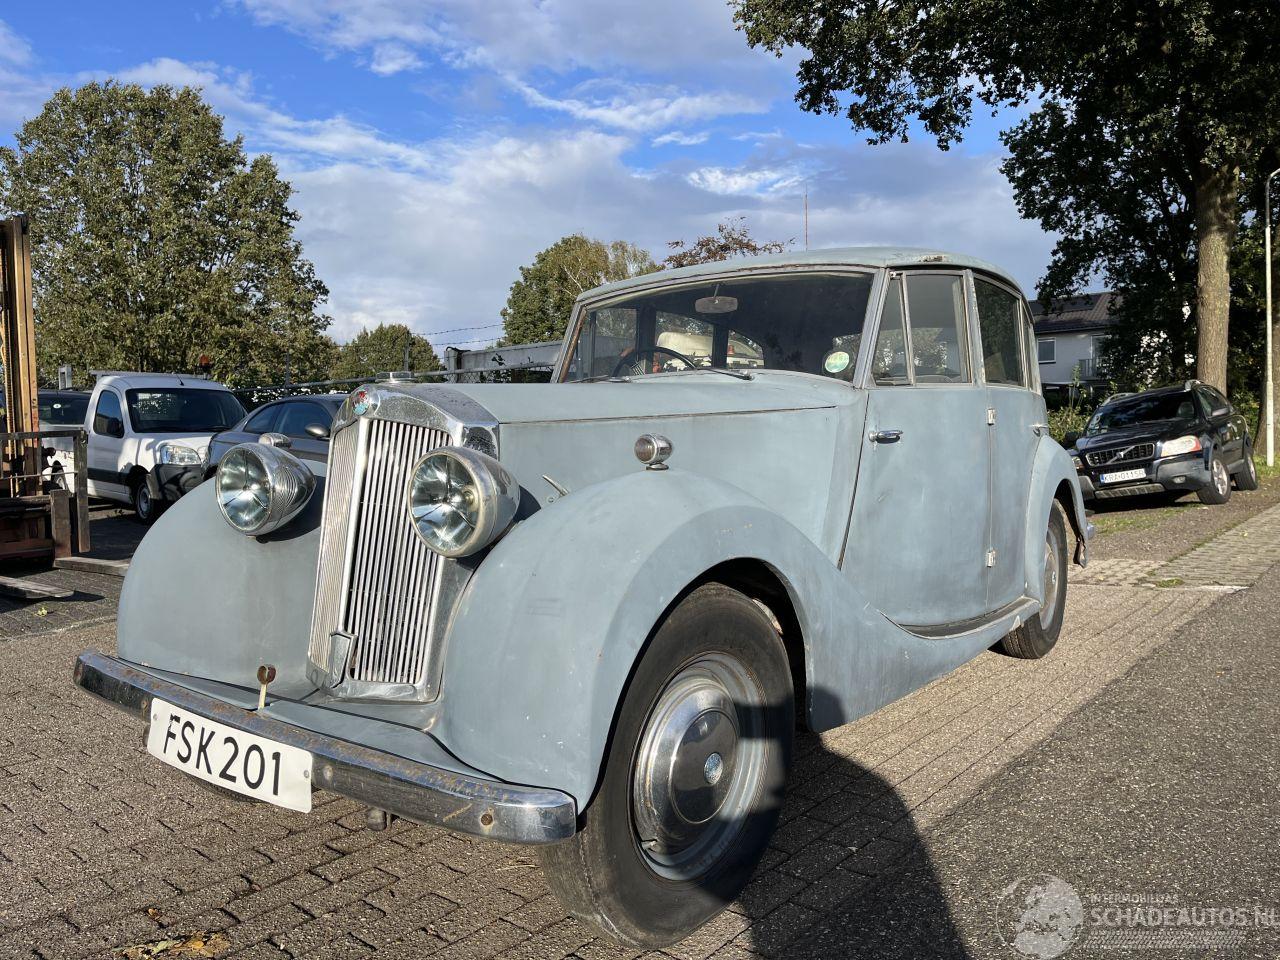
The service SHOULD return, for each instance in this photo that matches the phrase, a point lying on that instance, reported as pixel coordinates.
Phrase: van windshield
(806, 321)
(182, 410)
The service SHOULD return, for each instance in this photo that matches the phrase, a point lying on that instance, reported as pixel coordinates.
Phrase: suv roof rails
(1118, 396)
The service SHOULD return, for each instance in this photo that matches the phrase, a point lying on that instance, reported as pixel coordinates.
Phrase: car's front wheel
(1038, 635)
(1219, 488)
(145, 507)
(693, 779)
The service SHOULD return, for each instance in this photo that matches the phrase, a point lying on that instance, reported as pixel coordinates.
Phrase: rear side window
(935, 310)
(998, 316)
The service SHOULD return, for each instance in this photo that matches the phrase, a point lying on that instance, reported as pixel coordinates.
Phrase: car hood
(1138, 433)
(789, 440)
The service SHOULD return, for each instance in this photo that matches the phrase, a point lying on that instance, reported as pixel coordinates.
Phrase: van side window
(108, 409)
(889, 359)
(998, 316)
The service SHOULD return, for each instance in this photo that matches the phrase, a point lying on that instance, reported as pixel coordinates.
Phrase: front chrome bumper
(405, 788)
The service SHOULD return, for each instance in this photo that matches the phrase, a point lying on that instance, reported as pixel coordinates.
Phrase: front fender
(1051, 469)
(546, 634)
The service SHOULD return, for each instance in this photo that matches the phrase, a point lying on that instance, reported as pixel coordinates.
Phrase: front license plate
(1122, 475)
(239, 761)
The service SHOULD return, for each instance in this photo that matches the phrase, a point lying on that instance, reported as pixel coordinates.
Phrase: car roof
(1153, 392)
(875, 257)
(130, 381)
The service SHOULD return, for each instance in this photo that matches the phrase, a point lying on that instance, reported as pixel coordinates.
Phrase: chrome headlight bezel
(288, 486)
(496, 499)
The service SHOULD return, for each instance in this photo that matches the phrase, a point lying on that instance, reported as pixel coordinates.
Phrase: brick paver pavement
(102, 848)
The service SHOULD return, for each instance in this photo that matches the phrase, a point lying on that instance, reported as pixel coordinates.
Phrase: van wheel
(145, 507)
(1219, 489)
(693, 778)
(1037, 636)
(1247, 476)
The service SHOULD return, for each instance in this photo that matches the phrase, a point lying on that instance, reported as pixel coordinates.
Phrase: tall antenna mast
(806, 218)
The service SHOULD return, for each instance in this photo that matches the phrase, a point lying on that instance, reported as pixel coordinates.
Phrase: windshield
(1128, 413)
(182, 410)
(811, 322)
(64, 410)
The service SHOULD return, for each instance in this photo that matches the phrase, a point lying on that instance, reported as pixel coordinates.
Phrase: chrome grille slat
(1131, 454)
(376, 581)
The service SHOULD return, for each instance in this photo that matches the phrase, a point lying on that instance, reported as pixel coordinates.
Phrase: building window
(1047, 350)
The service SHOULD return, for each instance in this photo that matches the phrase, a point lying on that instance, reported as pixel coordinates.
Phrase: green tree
(731, 239)
(540, 302)
(156, 241)
(1182, 98)
(383, 349)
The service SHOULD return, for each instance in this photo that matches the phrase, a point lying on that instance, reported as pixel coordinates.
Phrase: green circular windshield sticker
(836, 361)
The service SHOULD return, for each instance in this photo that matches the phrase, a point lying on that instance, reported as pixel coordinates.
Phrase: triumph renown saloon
(588, 615)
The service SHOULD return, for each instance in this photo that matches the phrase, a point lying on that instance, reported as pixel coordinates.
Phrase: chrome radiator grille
(376, 580)
(1104, 458)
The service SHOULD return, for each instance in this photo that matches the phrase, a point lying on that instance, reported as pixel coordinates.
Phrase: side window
(935, 310)
(298, 416)
(998, 315)
(264, 420)
(1030, 348)
(889, 359)
(1216, 400)
(108, 409)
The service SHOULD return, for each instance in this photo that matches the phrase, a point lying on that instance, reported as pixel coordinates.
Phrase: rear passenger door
(1016, 418)
(919, 528)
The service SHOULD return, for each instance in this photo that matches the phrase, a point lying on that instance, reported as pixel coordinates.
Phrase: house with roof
(1070, 339)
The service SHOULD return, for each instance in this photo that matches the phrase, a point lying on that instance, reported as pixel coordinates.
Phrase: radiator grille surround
(1131, 454)
(377, 582)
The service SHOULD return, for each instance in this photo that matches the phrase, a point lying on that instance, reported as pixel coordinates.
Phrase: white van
(149, 436)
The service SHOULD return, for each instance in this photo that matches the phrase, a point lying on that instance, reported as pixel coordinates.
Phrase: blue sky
(436, 146)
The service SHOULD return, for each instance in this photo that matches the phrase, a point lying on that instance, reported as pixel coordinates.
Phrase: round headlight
(461, 500)
(261, 488)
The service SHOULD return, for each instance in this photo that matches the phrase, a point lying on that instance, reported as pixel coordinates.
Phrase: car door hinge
(991, 558)
(991, 415)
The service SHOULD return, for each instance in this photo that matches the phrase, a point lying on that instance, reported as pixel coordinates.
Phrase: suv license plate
(239, 761)
(1122, 475)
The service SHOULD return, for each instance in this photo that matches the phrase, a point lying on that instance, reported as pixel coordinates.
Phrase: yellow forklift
(41, 517)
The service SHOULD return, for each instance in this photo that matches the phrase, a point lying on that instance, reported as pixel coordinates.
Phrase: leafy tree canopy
(540, 302)
(1146, 119)
(731, 239)
(155, 240)
(382, 349)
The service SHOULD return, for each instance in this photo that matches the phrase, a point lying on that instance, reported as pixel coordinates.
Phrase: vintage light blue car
(586, 615)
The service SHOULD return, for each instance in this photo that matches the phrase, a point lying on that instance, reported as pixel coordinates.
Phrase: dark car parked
(299, 424)
(1171, 440)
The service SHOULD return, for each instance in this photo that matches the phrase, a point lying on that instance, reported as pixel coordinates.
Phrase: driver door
(918, 538)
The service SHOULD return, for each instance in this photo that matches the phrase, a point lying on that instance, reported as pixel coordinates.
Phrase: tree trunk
(1217, 200)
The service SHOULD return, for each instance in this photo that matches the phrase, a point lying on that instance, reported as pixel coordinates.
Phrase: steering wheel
(631, 360)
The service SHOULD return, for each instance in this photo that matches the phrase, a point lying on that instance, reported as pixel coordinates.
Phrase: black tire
(1035, 638)
(1247, 475)
(628, 889)
(1219, 489)
(145, 507)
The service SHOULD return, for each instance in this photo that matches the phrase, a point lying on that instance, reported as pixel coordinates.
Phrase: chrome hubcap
(698, 767)
(1052, 572)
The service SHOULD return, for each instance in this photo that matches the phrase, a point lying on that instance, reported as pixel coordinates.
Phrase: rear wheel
(1037, 636)
(1219, 489)
(693, 778)
(1247, 475)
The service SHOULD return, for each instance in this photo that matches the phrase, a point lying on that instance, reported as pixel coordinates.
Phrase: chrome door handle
(886, 436)
(1039, 429)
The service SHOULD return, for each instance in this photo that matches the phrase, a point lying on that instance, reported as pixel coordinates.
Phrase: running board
(1020, 610)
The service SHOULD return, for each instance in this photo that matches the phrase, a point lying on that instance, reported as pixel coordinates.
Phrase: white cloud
(14, 49)
(747, 180)
(390, 58)
(643, 108)
(681, 139)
